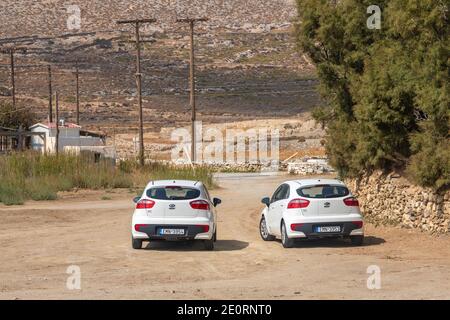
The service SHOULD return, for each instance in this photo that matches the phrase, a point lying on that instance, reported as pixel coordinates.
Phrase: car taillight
(145, 204)
(358, 224)
(351, 202)
(294, 226)
(298, 203)
(205, 227)
(138, 227)
(200, 205)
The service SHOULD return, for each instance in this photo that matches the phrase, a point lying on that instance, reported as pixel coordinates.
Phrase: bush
(430, 166)
(10, 194)
(40, 189)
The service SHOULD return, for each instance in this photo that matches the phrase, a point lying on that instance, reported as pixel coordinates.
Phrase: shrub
(11, 118)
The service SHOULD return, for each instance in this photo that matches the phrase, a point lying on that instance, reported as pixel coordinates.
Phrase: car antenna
(196, 183)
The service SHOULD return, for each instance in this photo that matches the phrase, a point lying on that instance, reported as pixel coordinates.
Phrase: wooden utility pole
(77, 76)
(137, 23)
(13, 77)
(57, 122)
(191, 23)
(50, 95)
(11, 52)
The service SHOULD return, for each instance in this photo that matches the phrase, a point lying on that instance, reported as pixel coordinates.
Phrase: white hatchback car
(175, 210)
(311, 208)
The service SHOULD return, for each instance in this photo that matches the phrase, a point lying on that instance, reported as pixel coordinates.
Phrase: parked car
(311, 208)
(175, 210)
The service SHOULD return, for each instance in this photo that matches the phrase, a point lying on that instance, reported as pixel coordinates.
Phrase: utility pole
(57, 122)
(77, 76)
(50, 94)
(11, 52)
(191, 23)
(137, 23)
(13, 77)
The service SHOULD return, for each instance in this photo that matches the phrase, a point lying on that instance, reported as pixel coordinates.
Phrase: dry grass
(35, 176)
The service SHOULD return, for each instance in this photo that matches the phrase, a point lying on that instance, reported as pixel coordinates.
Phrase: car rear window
(323, 191)
(173, 193)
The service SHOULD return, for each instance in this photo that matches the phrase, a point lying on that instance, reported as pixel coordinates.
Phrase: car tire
(357, 240)
(285, 240)
(209, 244)
(136, 243)
(215, 235)
(264, 232)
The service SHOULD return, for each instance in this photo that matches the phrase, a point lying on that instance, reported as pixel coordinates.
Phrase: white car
(311, 208)
(175, 210)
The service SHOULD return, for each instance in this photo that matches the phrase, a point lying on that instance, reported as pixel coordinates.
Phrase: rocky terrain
(49, 17)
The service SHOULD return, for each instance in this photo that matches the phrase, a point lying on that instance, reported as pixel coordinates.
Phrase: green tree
(376, 82)
(14, 118)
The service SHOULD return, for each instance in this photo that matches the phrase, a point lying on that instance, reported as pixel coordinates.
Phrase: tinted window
(286, 191)
(323, 191)
(276, 194)
(281, 193)
(173, 193)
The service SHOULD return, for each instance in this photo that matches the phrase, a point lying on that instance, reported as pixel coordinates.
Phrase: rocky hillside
(49, 17)
(247, 62)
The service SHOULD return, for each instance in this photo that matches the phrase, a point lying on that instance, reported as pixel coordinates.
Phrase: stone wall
(390, 199)
(309, 165)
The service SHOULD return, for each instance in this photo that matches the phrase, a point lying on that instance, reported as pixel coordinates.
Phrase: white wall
(67, 137)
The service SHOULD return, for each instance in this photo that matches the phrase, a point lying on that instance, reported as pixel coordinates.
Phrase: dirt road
(39, 241)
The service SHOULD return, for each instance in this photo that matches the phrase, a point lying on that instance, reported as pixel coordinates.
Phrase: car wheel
(264, 232)
(209, 244)
(136, 243)
(285, 241)
(357, 240)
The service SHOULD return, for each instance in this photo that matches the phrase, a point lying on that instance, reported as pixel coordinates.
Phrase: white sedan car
(311, 208)
(175, 210)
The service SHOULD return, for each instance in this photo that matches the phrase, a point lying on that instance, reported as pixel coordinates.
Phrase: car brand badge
(327, 204)
(171, 206)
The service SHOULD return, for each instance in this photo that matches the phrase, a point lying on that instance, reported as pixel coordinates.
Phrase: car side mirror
(266, 201)
(136, 199)
(216, 202)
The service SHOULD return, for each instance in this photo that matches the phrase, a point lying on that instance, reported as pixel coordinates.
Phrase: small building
(71, 139)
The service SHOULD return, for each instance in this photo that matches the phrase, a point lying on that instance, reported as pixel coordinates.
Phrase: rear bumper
(308, 230)
(191, 232)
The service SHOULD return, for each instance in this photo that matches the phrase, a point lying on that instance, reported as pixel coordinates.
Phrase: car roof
(183, 183)
(309, 182)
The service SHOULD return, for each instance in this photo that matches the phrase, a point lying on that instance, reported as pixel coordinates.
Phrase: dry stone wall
(391, 199)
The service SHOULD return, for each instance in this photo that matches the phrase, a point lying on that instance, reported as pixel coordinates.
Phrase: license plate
(171, 232)
(328, 229)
